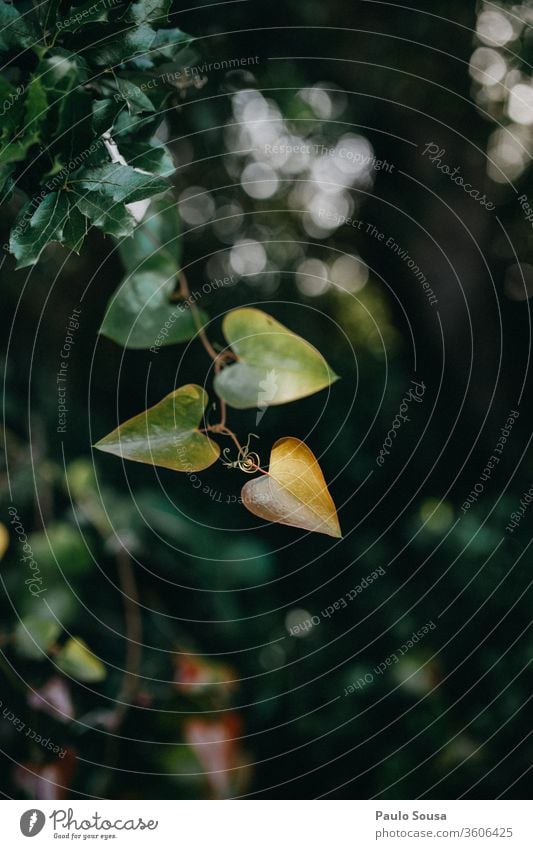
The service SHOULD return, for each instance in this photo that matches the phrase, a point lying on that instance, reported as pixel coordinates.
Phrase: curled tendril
(247, 461)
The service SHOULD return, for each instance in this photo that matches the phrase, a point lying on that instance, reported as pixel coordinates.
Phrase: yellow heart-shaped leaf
(275, 365)
(294, 491)
(167, 434)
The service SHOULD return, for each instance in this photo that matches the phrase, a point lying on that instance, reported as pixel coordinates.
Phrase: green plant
(92, 85)
(266, 365)
(84, 91)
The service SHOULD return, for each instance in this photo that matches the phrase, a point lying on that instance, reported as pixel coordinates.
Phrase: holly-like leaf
(114, 219)
(120, 183)
(75, 229)
(82, 15)
(14, 31)
(294, 492)
(134, 97)
(167, 434)
(145, 11)
(140, 314)
(78, 661)
(274, 365)
(120, 45)
(152, 156)
(33, 230)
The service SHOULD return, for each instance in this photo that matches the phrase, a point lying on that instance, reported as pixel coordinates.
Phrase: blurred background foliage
(229, 702)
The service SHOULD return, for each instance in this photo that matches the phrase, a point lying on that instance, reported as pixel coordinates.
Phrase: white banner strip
(268, 824)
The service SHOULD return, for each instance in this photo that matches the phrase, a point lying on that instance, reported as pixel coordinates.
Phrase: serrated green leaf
(77, 661)
(145, 11)
(152, 156)
(275, 365)
(75, 229)
(14, 31)
(168, 42)
(120, 183)
(25, 117)
(121, 45)
(104, 114)
(33, 231)
(34, 635)
(167, 434)
(90, 12)
(134, 98)
(113, 219)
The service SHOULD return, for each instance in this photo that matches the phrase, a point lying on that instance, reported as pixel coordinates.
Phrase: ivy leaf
(156, 245)
(294, 492)
(14, 31)
(105, 112)
(140, 314)
(167, 434)
(32, 231)
(34, 635)
(90, 12)
(119, 45)
(117, 183)
(21, 129)
(274, 365)
(75, 229)
(77, 660)
(114, 219)
(134, 97)
(149, 10)
(151, 156)
(169, 41)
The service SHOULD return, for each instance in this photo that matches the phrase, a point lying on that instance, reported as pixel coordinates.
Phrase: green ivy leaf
(105, 112)
(151, 156)
(34, 635)
(114, 219)
(146, 11)
(156, 245)
(140, 314)
(90, 12)
(24, 119)
(118, 183)
(170, 41)
(75, 229)
(167, 434)
(134, 97)
(119, 45)
(274, 365)
(32, 231)
(78, 661)
(14, 31)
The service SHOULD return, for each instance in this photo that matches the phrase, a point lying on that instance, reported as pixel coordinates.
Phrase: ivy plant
(264, 364)
(82, 92)
(83, 96)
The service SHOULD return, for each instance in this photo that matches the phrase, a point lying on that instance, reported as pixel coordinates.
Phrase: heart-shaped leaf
(140, 314)
(294, 492)
(274, 365)
(34, 635)
(167, 434)
(77, 660)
